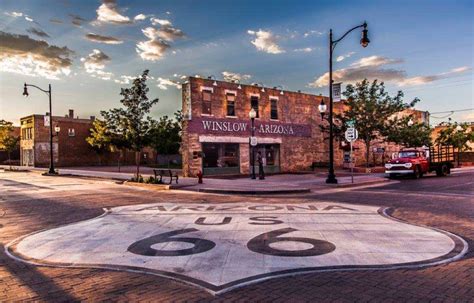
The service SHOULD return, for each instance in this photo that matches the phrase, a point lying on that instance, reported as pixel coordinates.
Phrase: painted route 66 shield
(220, 247)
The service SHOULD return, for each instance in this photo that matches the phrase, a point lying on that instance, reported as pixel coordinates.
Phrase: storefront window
(270, 154)
(220, 155)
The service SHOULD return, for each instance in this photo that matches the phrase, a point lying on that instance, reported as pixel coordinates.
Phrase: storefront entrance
(220, 158)
(271, 157)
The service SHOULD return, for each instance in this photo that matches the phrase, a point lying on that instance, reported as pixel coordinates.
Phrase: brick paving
(26, 208)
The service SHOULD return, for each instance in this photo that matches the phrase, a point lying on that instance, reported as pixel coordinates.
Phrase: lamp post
(48, 92)
(252, 115)
(364, 41)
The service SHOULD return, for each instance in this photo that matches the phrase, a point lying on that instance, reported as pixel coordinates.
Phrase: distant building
(216, 129)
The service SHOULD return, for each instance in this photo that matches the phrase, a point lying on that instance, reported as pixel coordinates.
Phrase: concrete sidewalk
(274, 184)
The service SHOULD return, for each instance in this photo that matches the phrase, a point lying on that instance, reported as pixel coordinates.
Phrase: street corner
(224, 246)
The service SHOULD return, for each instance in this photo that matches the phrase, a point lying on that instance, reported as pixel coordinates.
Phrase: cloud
(125, 79)
(232, 77)
(77, 20)
(154, 48)
(169, 33)
(420, 80)
(108, 12)
(305, 50)
(139, 17)
(312, 32)
(342, 57)
(14, 14)
(265, 41)
(373, 67)
(163, 83)
(103, 39)
(57, 21)
(156, 21)
(94, 64)
(38, 32)
(468, 116)
(24, 55)
(29, 19)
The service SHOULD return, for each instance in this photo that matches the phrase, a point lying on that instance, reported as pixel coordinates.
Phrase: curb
(254, 192)
(158, 187)
(347, 185)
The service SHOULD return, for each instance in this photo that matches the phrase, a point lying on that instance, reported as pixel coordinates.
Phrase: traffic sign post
(351, 135)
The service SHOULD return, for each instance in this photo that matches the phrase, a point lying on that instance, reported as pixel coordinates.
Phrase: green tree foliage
(373, 110)
(457, 135)
(166, 134)
(131, 122)
(8, 142)
(415, 135)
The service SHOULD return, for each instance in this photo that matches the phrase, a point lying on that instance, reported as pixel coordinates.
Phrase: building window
(274, 109)
(27, 133)
(206, 102)
(71, 132)
(254, 104)
(220, 155)
(230, 104)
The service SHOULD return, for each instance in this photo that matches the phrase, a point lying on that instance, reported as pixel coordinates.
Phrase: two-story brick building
(217, 127)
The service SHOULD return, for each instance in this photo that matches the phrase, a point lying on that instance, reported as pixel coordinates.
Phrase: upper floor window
(254, 104)
(206, 101)
(27, 133)
(230, 98)
(71, 132)
(274, 109)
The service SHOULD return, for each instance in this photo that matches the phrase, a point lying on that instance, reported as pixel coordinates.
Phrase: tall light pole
(252, 115)
(364, 41)
(51, 135)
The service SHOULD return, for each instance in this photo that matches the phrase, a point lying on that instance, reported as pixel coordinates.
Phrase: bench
(319, 164)
(165, 173)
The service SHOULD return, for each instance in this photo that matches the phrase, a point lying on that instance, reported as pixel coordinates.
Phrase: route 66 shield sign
(222, 246)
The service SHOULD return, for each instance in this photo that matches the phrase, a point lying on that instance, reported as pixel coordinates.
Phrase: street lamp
(281, 89)
(48, 92)
(213, 77)
(364, 41)
(252, 116)
(410, 122)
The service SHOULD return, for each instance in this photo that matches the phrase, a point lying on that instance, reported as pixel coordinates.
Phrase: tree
(457, 135)
(372, 110)
(415, 135)
(8, 142)
(131, 123)
(100, 138)
(166, 134)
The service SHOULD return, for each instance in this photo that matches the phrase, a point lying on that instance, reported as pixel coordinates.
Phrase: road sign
(351, 134)
(253, 141)
(350, 123)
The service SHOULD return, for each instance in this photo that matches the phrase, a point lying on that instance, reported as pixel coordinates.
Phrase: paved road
(30, 202)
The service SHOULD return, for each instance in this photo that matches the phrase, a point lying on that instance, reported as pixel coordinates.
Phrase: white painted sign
(253, 141)
(351, 134)
(46, 120)
(223, 246)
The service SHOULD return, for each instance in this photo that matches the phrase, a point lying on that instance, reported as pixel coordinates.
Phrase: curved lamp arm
(333, 43)
(44, 91)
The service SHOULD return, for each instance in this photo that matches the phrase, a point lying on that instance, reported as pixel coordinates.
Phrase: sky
(87, 50)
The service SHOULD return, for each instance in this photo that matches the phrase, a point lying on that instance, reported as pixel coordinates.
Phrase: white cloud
(305, 50)
(342, 57)
(108, 13)
(231, 76)
(125, 79)
(24, 55)
(14, 14)
(94, 64)
(139, 17)
(157, 21)
(265, 41)
(312, 32)
(373, 67)
(103, 39)
(154, 48)
(163, 83)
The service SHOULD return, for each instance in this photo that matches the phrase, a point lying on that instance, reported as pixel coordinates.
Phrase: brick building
(216, 129)
(69, 145)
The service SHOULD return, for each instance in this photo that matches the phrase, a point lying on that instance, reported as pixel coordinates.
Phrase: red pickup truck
(419, 161)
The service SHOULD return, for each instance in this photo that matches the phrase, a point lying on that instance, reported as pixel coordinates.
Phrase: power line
(453, 111)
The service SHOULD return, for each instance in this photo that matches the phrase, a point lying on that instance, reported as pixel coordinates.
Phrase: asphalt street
(30, 202)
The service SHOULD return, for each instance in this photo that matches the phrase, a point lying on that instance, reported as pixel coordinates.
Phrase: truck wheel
(417, 174)
(443, 170)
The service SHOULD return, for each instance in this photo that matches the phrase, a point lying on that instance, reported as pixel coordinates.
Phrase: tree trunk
(367, 153)
(9, 160)
(137, 161)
